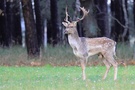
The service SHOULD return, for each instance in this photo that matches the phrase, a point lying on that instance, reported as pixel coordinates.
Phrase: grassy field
(65, 78)
(60, 71)
(58, 56)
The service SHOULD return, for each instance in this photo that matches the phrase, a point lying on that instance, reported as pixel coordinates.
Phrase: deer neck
(73, 36)
(74, 39)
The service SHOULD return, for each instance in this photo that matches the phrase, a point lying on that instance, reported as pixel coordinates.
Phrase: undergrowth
(58, 55)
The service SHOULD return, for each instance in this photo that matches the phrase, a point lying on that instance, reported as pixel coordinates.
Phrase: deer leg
(83, 66)
(108, 65)
(115, 65)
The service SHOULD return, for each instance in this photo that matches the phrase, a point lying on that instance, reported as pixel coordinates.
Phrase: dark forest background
(36, 23)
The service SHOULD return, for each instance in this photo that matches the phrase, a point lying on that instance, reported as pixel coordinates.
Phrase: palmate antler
(84, 14)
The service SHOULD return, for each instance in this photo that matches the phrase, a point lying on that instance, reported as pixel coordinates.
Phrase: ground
(64, 78)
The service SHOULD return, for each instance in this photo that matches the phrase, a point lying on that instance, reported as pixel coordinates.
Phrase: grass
(58, 77)
(124, 51)
(64, 78)
(59, 55)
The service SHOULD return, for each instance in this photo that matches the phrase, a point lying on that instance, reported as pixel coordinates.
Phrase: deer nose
(65, 32)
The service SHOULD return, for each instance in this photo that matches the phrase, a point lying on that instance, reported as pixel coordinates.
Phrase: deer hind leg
(112, 61)
(108, 65)
(83, 66)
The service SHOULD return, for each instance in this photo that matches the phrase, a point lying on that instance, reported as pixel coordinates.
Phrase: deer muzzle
(65, 32)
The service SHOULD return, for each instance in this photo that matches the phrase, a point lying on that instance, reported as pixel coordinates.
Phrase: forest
(36, 24)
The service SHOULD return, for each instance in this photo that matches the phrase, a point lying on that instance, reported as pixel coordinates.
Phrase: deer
(84, 47)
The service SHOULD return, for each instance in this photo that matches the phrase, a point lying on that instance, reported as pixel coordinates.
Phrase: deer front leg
(83, 66)
(108, 65)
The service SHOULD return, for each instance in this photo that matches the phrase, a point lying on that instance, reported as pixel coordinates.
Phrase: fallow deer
(84, 47)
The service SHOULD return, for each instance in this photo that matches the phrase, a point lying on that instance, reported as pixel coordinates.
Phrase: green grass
(65, 78)
(59, 55)
(124, 51)
(62, 78)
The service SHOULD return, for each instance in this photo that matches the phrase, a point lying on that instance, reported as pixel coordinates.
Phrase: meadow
(59, 56)
(65, 78)
(60, 70)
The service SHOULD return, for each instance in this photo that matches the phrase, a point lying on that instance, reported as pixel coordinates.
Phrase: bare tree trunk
(134, 25)
(11, 32)
(31, 36)
(55, 22)
(117, 12)
(9, 21)
(17, 34)
(134, 12)
(126, 20)
(3, 24)
(45, 33)
(102, 17)
(39, 23)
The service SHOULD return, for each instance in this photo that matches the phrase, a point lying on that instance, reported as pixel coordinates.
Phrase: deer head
(71, 26)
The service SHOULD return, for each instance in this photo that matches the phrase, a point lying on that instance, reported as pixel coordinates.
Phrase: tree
(120, 25)
(16, 33)
(10, 20)
(89, 24)
(102, 17)
(116, 28)
(55, 22)
(125, 31)
(31, 35)
(10, 23)
(39, 23)
(2, 22)
(134, 10)
(134, 24)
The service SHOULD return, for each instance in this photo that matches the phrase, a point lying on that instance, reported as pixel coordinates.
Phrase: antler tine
(84, 13)
(66, 19)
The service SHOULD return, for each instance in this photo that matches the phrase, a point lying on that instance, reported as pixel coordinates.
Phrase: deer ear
(65, 24)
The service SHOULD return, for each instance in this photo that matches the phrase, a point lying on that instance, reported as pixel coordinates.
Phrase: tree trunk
(55, 22)
(39, 23)
(10, 20)
(125, 32)
(16, 33)
(117, 12)
(102, 17)
(3, 29)
(31, 35)
(134, 25)
(134, 11)
(45, 33)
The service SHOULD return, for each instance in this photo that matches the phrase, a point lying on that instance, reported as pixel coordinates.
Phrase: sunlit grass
(65, 78)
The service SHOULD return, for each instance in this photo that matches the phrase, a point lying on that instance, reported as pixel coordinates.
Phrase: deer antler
(84, 14)
(66, 19)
